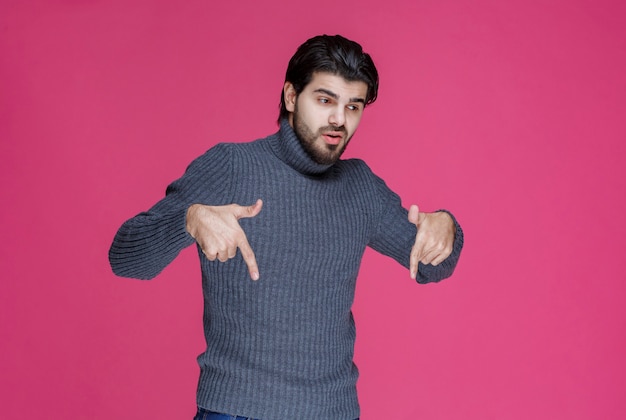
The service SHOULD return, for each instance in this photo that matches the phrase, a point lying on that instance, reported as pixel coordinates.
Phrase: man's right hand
(216, 229)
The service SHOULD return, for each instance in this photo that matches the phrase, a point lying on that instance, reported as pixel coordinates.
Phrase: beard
(324, 154)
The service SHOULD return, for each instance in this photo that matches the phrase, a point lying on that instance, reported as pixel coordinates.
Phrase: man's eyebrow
(335, 96)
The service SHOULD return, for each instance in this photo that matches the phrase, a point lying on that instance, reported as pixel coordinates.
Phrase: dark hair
(331, 54)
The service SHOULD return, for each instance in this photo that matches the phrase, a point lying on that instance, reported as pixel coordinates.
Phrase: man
(281, 225)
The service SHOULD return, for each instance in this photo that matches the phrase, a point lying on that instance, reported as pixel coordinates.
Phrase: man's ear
(289, 94)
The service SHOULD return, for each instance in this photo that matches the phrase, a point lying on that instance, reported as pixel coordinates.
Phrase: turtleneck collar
(287, 147)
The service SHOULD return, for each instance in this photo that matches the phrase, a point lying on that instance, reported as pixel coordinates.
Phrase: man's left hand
(434, 239)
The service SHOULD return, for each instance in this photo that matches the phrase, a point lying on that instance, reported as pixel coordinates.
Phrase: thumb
(414, 214)
(249, 211)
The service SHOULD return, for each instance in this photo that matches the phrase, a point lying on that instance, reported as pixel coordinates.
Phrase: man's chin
(328, 156)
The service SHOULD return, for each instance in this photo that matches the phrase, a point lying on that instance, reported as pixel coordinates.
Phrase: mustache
(332, 128)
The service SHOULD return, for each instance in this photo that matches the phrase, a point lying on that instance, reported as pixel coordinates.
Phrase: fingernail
(255, 276)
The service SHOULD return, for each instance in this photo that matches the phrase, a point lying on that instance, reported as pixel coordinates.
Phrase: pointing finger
(413, 266)
(249, 258)
(415, 251)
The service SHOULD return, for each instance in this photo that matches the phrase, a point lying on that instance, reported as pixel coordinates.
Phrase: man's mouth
(332, 137)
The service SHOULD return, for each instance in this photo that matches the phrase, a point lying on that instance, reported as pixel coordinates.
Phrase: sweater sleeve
(145, 244)
(395, 236)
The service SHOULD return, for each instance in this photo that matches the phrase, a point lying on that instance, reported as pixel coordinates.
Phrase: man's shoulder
(359, 171)
(354, 165)
(225, 150)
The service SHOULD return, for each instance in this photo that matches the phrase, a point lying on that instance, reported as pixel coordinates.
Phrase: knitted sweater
(280, 347)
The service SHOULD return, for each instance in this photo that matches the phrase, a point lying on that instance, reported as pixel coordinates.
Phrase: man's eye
(324, 100)
(353, 107)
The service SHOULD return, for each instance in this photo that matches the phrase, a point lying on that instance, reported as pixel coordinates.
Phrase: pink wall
(511, 114)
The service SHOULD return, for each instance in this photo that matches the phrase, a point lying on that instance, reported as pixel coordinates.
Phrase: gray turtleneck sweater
(281, 347)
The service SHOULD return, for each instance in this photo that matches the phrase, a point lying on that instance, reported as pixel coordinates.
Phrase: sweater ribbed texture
(282, 347)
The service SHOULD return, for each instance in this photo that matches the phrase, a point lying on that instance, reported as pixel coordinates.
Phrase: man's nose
(337, 117)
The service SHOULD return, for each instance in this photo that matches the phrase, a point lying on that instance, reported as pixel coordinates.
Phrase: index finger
(248, 256)
(414, 261)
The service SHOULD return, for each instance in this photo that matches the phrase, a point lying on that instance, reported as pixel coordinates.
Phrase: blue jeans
(203, 414)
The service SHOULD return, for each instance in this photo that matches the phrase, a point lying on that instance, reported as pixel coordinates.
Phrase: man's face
(326, 114)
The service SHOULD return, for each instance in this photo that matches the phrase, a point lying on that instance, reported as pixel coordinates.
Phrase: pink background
(511, 114)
